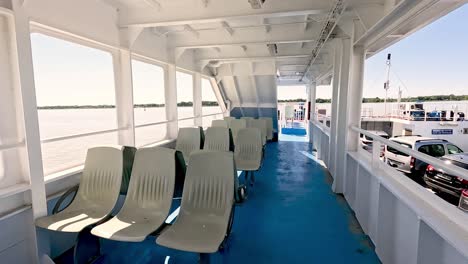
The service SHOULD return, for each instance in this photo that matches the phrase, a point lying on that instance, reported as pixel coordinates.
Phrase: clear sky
(70, 74)
(431, 61)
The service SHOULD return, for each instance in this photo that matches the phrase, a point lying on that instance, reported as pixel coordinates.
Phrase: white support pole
(355, 97)
(124, 97)
(312, 93)
(24, 77)
(334, 107)
(341, 128)
(171, 101)
(197, 98)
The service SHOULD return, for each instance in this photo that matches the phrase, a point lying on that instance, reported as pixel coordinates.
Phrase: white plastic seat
(236, 125)
(218, 139)
(247, 119)
(228, 119)
(262, 126)
(97, 193)
(249, 150)
(188, 140)
(206, 206)
(269, 122)
(219, 123)
(148, 200)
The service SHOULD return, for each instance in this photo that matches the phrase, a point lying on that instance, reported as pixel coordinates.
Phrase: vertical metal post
(376, 149)
(343, 110)
(124, 97)
(312, 91)
(23, 73)
(171, 101)
(334, 108)
(197, 98)
(355, 97)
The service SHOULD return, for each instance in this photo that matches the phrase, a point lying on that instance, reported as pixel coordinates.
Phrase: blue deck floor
(291, 216)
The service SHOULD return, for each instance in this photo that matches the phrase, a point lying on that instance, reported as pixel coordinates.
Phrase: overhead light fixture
(256, 4)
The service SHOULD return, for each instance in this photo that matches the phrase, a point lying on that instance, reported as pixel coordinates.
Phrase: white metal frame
(147, 60)
(376, 191)
(40, 28)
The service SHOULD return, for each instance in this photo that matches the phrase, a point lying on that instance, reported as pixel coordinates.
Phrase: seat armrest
(72, 191)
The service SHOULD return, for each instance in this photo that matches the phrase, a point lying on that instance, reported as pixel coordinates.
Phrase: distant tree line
(429, 98)
(181, 104)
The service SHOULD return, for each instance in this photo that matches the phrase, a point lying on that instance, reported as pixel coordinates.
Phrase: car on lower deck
(367, 142)
(440, 181)
(430, 146)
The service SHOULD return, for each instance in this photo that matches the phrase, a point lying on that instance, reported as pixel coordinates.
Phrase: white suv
(430, 146)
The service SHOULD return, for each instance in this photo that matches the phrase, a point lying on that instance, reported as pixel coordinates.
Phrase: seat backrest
(247, 119)
(260, 124)
(188, 140)
(236, 125)
(101, 178)
(249, 145)
(218, 139)
(269, 122)
(153, 180)
(209, 185)
(219, 123)
(228, 119)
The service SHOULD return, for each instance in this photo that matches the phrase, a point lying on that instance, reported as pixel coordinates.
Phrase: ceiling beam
(282, 56)
(153, 3)
(181, 12)
(277, 35)
(267, 26)
(228, 28)
(332, 20)
(192, 30)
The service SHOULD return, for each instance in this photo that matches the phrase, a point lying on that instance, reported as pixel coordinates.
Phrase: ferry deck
(202, 189)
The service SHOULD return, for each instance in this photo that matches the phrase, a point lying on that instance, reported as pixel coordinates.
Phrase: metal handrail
(11, 145)
(49, 140)
(187, 118)
(451, 169)
(153, 124)
(321, 125)
(212, 114)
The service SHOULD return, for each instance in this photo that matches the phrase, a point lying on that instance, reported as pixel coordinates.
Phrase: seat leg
(204, 258)
(252, 178)
(87, 247)
(246, 177)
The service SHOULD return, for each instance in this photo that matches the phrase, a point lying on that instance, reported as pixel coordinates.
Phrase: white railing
(153, 124)
(100, 132)
(451, 169)
(406, 222)
(7, 146)
(215, 114)
(321, 140)
(187, 118)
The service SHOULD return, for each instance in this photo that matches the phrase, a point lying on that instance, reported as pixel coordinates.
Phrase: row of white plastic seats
(265, 124)
(149, 198)
(193, 138)
(248, 151)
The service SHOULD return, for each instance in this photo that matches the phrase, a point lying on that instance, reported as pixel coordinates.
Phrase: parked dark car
(440, 181)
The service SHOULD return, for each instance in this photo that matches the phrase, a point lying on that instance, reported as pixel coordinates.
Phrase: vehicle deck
(291, 216)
